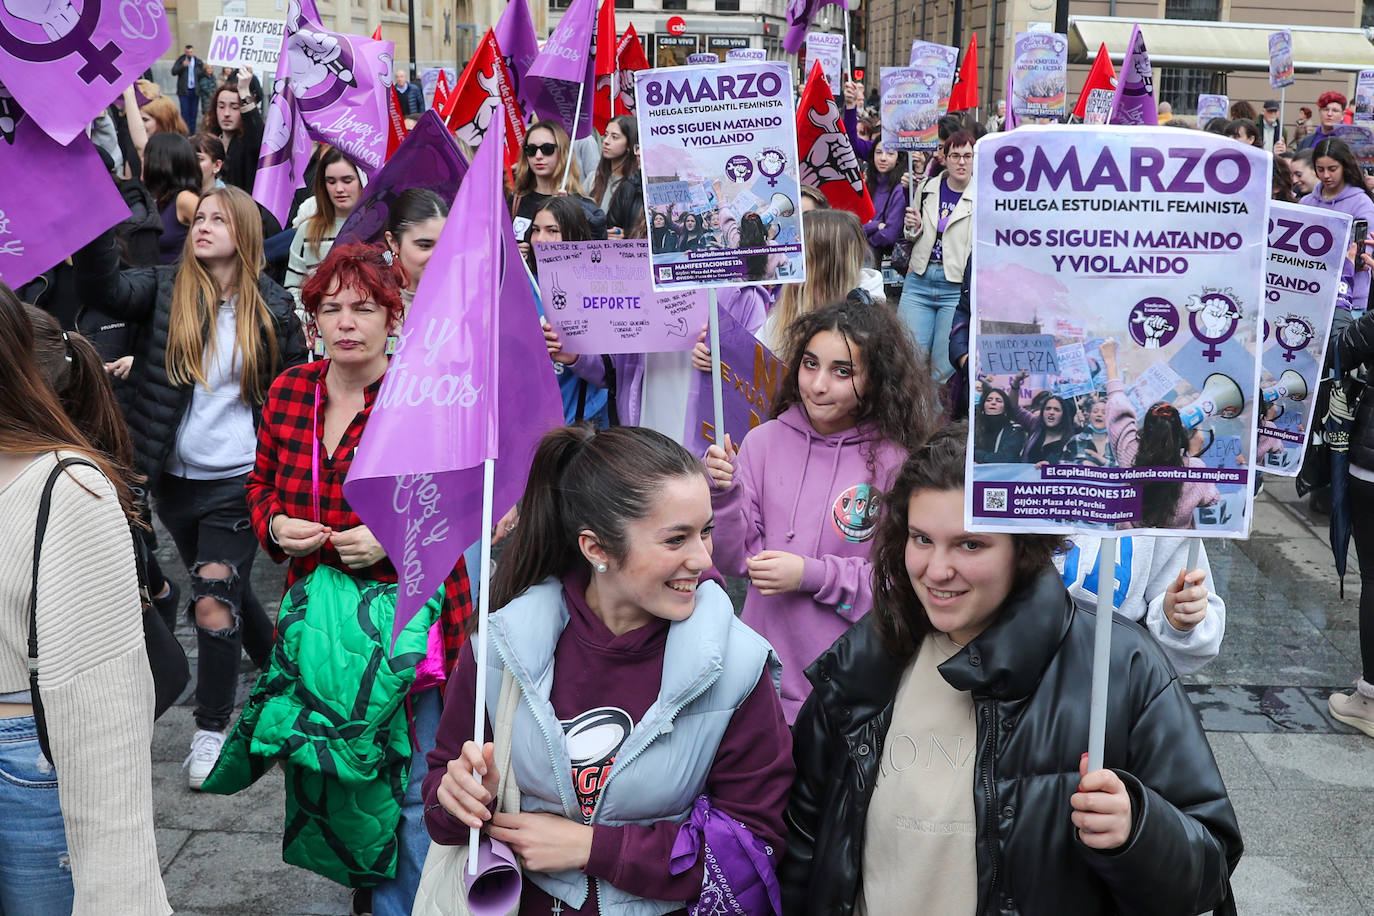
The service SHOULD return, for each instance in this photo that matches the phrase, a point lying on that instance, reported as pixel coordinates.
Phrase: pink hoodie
(798, 491)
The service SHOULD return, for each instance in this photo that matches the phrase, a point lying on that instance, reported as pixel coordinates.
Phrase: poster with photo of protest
(1118, 292)
(827, 49)
(1210, 105)
(941, 60)
(910, 109)
(718, 155)
(1307, 249)
(1364, 96)
(1281, 59)
(1040, 76)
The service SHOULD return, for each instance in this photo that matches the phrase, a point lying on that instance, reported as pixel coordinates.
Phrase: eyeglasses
(959, 157)
(548, 149)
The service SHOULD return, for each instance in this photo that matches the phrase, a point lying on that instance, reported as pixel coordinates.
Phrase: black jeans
(1362, 525)
(209, 522)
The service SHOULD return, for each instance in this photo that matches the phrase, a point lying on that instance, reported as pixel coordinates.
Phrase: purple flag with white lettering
(470, 380)
(341, 84)
(41, 222)
(751, 380)
(285, 151)
(564, 71)
(800, 14)
(65, 60)
(428, 157)
(516, 38)
(1135, 86)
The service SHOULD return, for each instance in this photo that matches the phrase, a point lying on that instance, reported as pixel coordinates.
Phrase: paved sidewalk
(1302, 784)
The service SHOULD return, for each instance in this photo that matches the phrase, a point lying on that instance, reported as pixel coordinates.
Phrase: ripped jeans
(35, 874)
(210, 524)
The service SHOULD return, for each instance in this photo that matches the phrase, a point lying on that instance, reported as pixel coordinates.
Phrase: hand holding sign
(1185, 600)
(555, 345)
(719, 465)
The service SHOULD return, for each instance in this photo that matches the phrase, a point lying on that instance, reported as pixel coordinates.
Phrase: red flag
(606, 66)
(377, 33)
(441, 91)
(828, 161)
(483, 93)
(395, 123)
(629, 56)
(1101, 76)
(965, 92)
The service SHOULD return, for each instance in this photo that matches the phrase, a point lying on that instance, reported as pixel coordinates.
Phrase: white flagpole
(848, 70)
(577, 118)
(717, 399)
(479, 727)
(1194, 551)
(1102, 651)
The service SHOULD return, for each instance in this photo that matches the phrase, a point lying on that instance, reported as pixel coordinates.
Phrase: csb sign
(239, 41)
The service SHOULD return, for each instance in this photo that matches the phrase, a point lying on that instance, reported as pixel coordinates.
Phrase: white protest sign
(238, 41)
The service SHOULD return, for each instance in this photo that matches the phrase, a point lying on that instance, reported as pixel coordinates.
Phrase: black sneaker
(362, 902)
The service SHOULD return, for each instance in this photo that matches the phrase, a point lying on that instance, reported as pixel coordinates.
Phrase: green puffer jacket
(331, 707)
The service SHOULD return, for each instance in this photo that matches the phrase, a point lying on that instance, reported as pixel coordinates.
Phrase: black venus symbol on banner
(64, 36)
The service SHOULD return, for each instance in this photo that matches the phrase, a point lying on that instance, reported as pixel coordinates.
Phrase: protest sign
(430, 84)
(1360, 139)
(1211, 106)
(242, 42)
(826, 49)
(1364, 96)
(910, 109)
(1306, 249)
(731, 139)
(43, 222)
(1097, 109)
(1157, 247)
(751, 379)
(703, 57)
(599, 298)
(1281, 59)
(735, 54)
(1039, 76)
(939, 60)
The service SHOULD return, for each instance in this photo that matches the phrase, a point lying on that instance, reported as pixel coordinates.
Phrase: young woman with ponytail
(211, 333)
(648, 690)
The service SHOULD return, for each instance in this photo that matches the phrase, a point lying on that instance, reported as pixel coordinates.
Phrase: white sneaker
(1354, 709)
(205, 748)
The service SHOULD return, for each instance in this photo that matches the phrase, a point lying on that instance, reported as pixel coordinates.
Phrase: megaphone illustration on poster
(1291, 385)
(778, 205)
(495, 889)
(1221, 397)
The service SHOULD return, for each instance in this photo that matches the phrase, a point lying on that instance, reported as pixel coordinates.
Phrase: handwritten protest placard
(599, 298)
(238, 41)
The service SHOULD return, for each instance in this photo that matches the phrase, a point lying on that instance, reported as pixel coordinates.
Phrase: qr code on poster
(995, 500)
(665, 274)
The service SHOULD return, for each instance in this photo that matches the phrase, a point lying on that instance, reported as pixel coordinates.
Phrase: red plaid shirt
(280, 484)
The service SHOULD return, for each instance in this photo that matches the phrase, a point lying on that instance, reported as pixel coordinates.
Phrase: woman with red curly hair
(312, 422)
(1331, 111)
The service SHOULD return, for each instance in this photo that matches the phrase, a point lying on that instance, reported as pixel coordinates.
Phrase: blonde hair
(323, 218)
(196, 296)
(525, 183)
(165, 115)
(835, 251)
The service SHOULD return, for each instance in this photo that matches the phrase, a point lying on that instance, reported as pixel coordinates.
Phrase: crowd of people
(205, 371)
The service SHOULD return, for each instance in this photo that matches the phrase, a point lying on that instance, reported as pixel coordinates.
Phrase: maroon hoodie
(601, 676)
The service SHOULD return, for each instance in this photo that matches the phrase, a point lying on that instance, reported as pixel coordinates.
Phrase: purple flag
(65, 60)
(1135, 86)
(751, 377)
(41, 222)
(800, 14)
(471, 341)
(427, 158)
(285, 151)
(519, 45)
(564, 70)
(1012, 121)
(340, 83)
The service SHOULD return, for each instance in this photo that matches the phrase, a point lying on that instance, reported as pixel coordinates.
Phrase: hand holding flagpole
(1102, 652)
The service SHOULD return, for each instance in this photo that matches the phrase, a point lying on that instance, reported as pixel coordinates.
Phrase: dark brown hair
(584, 480)
(898, 617)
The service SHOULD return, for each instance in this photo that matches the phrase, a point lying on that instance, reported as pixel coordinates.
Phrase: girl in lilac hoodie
(797, 504)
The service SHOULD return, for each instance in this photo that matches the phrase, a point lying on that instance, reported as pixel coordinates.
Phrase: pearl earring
(600, 567)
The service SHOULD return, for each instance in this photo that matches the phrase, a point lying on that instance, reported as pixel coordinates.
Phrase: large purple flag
(41, 222)
(428, 157)
(465, 385)
(341, 83)
(800, 14)
(564, 71)
(1135, 86)
(65, 60)
(519, 45)
(751, 378)
(285, 151)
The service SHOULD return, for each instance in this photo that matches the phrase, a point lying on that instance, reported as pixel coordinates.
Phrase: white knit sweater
(93, 674)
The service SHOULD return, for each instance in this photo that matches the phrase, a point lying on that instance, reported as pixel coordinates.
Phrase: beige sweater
(94, 678)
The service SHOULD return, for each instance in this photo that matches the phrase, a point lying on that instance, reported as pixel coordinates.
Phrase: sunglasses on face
(548, 149)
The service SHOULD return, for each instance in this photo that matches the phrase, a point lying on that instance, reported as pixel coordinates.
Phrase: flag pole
(848, 70)
(1194, 552)
(479, 726)
(717, 399)
(577, 118)
(1102, 651)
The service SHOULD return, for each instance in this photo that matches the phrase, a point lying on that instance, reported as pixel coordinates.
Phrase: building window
(727, 6)
(675, 4)
(624, 4)
(1367, 14)
(1180, 87)
(559, 4)
(1207, 10)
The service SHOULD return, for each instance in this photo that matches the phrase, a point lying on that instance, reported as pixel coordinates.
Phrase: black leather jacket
(1029, 674)
(1355, 338)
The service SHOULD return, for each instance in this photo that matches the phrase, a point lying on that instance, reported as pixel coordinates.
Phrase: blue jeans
(397, 896)
(35, 873)
(189, 102)
(927, 309)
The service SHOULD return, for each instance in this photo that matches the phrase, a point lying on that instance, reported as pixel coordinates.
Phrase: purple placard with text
(1040, 76)
(751, 378)
(940, 60)
(598, 297)
(1211, 105)
(827, 49)
(1281, 59)
(910, 109)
